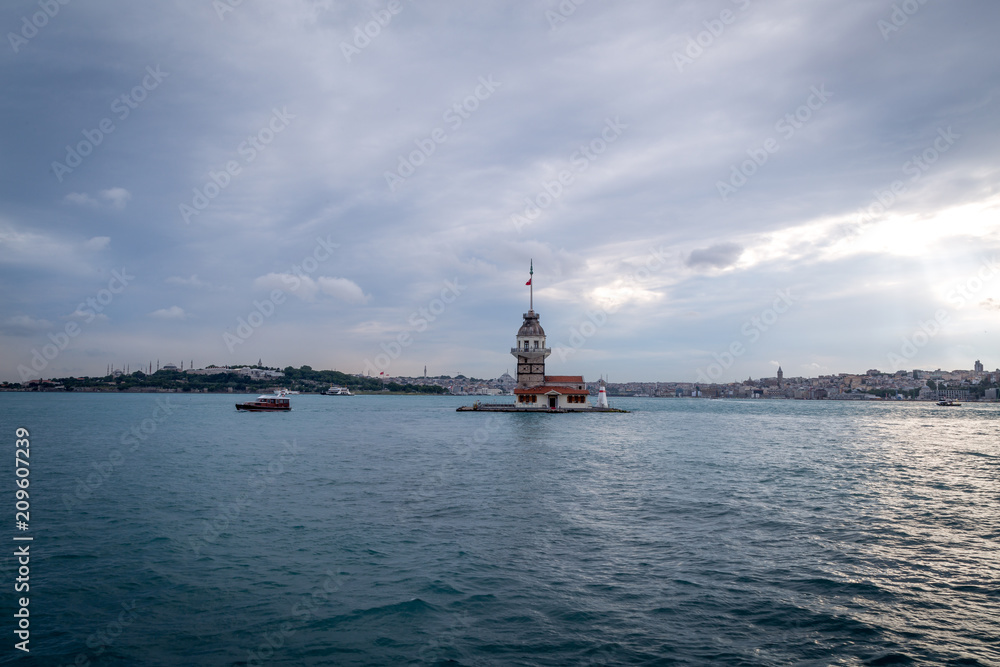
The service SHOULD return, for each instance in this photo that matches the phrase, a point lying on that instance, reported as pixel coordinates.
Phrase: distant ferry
(947, 403)
(338, 391)
(267, 403)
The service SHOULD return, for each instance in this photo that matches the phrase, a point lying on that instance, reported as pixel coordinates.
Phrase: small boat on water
(949, 404)
(276, 402)
(338, 391)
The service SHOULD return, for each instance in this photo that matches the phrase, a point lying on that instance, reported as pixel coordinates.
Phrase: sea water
(170, 529)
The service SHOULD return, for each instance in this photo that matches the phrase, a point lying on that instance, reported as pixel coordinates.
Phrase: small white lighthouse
(602, 395)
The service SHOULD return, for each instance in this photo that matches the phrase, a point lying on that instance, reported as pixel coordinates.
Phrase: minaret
(530, 351)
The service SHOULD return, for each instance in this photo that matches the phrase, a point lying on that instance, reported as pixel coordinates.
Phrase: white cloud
(25, 325)
(117, 197)
(86, 316)
(81, 198)
(343, 289)
(307, 289)
(171, 313)
(42, 251)
(97, 243)
(303, 287)
(193, 281)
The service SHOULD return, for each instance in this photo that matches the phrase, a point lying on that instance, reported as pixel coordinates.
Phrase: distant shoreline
(170, 392)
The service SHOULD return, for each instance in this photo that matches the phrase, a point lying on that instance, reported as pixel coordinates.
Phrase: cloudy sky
(743, 183)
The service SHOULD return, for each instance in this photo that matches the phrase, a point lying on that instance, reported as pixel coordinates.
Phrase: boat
(947, 403)
(276, 402)
(338, 391)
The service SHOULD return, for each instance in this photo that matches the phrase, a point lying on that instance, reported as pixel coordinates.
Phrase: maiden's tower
(536, 391)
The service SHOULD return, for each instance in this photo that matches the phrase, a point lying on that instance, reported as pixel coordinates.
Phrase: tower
(530, 351)
(979, 366)
(781, 374)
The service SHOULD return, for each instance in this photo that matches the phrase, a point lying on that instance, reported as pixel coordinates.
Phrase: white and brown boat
(277, 402)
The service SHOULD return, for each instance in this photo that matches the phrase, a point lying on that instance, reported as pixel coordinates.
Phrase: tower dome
(531, 326)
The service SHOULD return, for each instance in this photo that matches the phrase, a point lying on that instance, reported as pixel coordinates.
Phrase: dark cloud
(717, 256)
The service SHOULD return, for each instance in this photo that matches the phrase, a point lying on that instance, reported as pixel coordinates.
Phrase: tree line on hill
(303, 379)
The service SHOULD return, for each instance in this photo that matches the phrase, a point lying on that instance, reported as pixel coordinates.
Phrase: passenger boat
(267, 403)
(338, 391)
(949, 404)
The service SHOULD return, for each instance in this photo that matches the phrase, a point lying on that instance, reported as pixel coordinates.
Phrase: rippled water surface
(393, 530)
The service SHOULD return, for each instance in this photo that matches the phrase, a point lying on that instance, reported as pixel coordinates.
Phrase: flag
(529, 281)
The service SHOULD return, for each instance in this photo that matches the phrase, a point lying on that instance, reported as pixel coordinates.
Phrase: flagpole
(531, 286)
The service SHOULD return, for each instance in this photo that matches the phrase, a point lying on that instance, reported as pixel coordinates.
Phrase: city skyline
(978, 370)
(731, 185)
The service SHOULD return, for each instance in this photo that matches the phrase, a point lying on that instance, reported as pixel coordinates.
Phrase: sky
(705, 190)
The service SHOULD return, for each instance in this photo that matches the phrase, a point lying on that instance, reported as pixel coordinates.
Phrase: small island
(536, 391)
